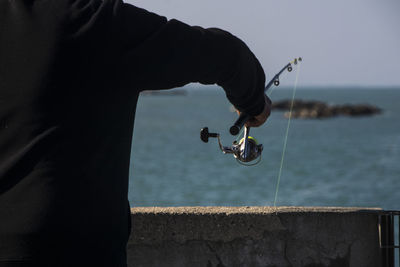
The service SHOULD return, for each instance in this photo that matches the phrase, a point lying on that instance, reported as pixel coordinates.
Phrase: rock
(318, 109)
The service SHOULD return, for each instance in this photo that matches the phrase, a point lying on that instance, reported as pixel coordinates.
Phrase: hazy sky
(343, 42)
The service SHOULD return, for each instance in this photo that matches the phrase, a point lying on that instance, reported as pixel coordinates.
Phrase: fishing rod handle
(243, 118)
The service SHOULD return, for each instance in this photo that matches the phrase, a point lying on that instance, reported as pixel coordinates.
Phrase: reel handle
(205, 135)
(238, 125)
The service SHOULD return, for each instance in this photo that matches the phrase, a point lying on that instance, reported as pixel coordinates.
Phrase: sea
(339, 161)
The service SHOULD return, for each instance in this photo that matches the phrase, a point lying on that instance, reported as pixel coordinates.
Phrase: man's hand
(260, 119)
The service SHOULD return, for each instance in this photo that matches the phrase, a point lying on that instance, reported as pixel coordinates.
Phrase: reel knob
(205, 134)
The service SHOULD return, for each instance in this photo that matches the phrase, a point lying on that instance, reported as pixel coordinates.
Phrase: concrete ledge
(254, 236)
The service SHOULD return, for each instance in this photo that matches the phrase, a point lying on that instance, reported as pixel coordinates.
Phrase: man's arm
(161, 54)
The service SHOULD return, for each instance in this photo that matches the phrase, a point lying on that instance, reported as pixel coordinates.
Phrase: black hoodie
(70, 75)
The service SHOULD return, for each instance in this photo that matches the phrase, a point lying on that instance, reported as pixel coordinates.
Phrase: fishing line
(270, 92)
(286, 137)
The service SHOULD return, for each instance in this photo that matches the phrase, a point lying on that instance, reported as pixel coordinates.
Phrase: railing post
(387, 237)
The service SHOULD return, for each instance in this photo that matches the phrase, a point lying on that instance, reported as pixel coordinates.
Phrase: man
(70, 75)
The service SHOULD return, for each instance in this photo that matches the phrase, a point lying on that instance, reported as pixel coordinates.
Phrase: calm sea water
(341, 161)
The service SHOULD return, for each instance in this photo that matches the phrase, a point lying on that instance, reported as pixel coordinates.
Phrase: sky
(342, 42)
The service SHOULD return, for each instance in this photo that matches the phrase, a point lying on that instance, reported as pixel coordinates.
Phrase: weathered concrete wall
(254, 236)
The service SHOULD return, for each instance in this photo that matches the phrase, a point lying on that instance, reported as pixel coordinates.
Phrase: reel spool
(254, 151)
(247, 151)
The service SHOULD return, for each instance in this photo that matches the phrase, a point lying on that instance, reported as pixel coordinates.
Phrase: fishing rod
(247, 151)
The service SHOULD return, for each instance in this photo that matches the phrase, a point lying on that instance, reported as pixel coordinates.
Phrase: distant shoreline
(173, 92)
(199, 87)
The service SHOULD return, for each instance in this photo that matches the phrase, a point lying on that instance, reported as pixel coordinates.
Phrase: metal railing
(388, 225)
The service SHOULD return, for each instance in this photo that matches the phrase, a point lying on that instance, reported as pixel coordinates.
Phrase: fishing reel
(247, 151)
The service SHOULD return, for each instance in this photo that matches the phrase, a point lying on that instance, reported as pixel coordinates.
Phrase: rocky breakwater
(319, 110)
